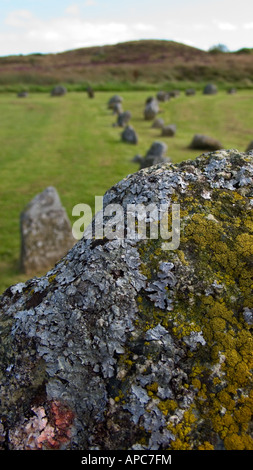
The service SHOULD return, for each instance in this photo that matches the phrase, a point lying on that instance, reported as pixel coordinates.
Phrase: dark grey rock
(129, 135)
(162, 96)
(123, 118)
(190, 92)
(117, 108)
(250, 146)
(232, 91)
(114, 100)
(90, 92)
(151, 109)
(155, 155)
(204, 142)
(174, 93)
(22, 94)
(158, 123)
(210, 89)
(59, 90)
(169, 131)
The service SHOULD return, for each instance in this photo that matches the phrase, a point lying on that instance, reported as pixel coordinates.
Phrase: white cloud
(224, 26)
(18, 18)
(66, 32)
(73, 9)
(143, 27)
(248, 25)
(186, 41)
(90, 3)
(24, 32)
(200, 27)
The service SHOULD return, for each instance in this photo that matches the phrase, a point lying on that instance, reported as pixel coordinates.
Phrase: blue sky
(28, 26)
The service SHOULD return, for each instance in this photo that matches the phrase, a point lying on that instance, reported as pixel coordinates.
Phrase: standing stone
(46, 233)
(210, 89)
(190, 92)
(169, 131)
(90, 92)
(250, 146)
(115, 99)
(174, 93)
(204, 142)
(59, 90)
(123, 119)
(151, 109)
(158, 123)
(129, 135)
(232, 91)
(156, 154)
(117, 108)
(22, 94)
(162, 96)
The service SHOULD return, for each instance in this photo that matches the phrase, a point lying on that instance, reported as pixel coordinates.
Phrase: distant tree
(218, 48)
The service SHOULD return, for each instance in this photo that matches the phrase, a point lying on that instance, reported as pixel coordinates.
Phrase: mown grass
(70, 143)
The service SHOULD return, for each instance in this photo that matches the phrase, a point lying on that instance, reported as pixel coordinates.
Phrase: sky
(51, 26)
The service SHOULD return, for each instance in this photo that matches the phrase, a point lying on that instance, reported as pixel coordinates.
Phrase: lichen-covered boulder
(127, 344)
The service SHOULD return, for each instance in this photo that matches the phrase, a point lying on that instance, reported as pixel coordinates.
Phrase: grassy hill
(132, 65)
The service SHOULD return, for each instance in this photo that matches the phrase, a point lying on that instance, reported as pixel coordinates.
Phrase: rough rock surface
(125, 345)
(46, 233)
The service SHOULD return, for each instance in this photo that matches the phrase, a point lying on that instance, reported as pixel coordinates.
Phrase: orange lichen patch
(42, 431)
(58, 431)
(63, 419)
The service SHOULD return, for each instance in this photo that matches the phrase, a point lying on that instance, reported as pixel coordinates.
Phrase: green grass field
(70, 143)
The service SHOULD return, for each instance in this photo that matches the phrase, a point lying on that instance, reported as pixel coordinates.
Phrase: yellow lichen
(217, 246)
